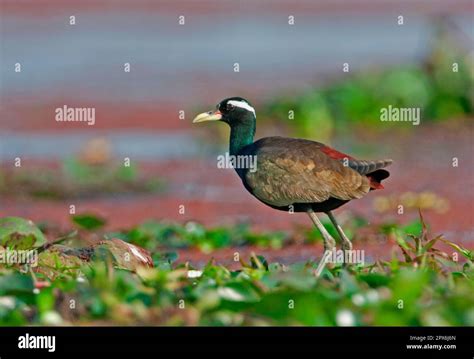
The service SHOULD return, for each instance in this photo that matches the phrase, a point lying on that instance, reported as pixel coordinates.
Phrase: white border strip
(243, 104)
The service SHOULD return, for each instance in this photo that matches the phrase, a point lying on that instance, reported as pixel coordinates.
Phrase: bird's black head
(235, 111)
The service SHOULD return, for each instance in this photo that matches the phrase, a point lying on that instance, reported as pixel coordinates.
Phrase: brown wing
(297, 171)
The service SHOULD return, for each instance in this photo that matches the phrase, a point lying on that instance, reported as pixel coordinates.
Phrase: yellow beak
(208, 116)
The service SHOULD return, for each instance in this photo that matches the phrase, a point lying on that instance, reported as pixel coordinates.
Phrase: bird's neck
(241, 136)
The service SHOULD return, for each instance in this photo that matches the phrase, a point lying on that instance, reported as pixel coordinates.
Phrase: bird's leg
(329, 242)
(346, 243)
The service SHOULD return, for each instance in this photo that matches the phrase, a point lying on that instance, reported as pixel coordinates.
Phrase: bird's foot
(347, 248)
(322, 263)
(329, 247)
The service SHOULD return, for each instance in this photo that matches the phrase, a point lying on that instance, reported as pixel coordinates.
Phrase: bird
(297, 175)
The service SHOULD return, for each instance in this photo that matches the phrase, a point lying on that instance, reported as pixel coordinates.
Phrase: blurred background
(173, 176)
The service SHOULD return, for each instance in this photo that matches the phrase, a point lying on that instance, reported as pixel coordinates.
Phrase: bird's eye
(230, 107)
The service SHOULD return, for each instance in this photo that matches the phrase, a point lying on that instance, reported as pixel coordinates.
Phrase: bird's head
(235, 111)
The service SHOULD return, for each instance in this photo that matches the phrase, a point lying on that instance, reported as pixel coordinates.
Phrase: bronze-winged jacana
(296, 174)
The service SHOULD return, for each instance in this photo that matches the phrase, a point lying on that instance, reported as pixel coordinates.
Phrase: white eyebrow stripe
(244, 105)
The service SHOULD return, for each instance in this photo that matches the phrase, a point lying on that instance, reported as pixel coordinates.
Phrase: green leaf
(259, 262)
(465, 252)
(45, 300)
(20, 234)
(164, 260)
(374, 279)
(59, 260)
(415, 228)
(238, 292)
(298, 280)
(15, 283)
(88, 221)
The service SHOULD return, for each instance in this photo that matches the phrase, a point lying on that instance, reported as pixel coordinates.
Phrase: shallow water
(170, 62)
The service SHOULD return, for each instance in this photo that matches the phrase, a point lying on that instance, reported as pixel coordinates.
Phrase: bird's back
(296, 171)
